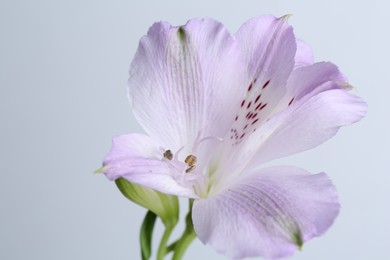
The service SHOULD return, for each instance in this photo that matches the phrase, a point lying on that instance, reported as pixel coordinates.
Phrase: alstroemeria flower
(214, 107)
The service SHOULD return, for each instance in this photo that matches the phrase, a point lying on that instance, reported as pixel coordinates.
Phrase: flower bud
(163, 205)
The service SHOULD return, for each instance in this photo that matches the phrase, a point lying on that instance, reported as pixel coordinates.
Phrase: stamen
(190, 169)
(210, 137)
(177, 153)
(198, 142)
(190, 160)
(168, 154)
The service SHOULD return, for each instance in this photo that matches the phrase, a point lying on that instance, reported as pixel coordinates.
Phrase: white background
(63, 72)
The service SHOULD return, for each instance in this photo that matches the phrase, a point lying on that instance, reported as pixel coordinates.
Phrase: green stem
(171, 247)
(162, 249)
(186, 239)
(183, 245)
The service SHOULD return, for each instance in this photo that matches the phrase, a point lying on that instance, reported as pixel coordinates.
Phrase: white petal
(185, 81)
(269, 213)
(139, 159)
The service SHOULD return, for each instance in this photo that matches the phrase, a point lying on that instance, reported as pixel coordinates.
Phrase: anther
(168, 154)
(190, 169)
(190, 160)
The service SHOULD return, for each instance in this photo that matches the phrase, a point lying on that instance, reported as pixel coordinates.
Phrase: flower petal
(311, 80)
(302, 126)
(304, 55)
(307, 81)
(184, 81)
(307, 124)
(139, 159)
(270, 213)
(268, 45)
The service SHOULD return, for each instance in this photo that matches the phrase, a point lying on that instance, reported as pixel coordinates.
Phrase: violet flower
(215, 106)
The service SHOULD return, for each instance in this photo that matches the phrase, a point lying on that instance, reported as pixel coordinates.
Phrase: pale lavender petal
(140, 159)
(269, 213)
(314, 107)
(185, 82)
(308, 124)
(307, 81)
(304, 55)
(268, 45)
(310, 80)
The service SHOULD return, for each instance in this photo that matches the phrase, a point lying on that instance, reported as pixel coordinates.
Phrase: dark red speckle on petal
(266, 84)
(248, 115)
(236, 118)
(254, 122)
(258, 106)
(249, 105)
(250, 87)
(291, 101)
(257, 99)
(263, 106)
(243, 103)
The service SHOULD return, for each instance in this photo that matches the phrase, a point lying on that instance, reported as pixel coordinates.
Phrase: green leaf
(146, 235)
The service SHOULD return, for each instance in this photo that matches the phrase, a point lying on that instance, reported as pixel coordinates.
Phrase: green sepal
(146, 235)
(163, 205)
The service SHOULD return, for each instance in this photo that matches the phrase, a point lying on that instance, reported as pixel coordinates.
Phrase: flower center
(190, 159)
(189, 171)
